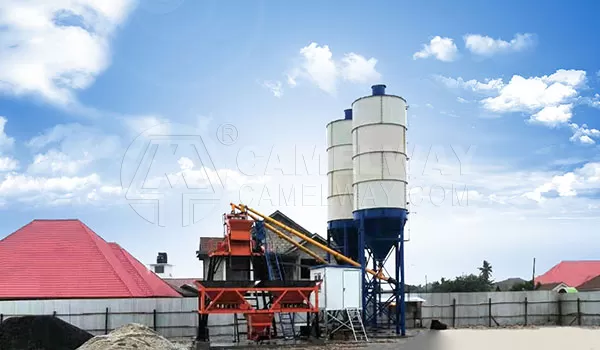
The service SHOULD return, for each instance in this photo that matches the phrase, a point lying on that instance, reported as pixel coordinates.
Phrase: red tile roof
(590, 285)
(184, 286)
(571, 273)
(66, 259)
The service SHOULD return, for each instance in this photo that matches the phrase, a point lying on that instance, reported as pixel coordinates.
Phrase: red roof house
(571, 273)
(48, 259)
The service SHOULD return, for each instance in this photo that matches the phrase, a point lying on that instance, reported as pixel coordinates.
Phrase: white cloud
(593, 101)
(19, 184)
(138, 125)
(5, 140)
(553, 116)
(488, 85)
(357, 69)
(8, 164)
(583, 134)
(443, 49)
(527, 94)
(291, 77)
(461, 100)
(318, 66)
(52, 48)
(567, 185)
(68, 149)
(549, 99)
(53, 191)
(487, 46)
(104, 193)
(275, 87)
(55, 162)
(63, 170)
(203, 176)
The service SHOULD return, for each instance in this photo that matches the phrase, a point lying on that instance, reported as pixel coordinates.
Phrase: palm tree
(485, 271)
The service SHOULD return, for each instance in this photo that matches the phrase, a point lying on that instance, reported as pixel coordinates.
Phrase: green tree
(461, 284)
(485, 271)
(527, 285)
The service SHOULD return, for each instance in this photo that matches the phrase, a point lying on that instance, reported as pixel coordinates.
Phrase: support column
(329, 245)
(374, 296)
(346, 248)
(402, 285)
(361, 260)
(398, 288)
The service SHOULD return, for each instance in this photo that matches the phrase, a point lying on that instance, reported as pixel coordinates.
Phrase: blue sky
(504, 101)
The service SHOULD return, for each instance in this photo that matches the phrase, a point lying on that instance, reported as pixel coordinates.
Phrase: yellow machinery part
(340, 256)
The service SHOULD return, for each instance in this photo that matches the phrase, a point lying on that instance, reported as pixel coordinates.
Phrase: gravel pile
(40, 333)
(130, 336)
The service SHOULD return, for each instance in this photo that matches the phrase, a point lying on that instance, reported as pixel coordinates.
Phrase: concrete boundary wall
(178, 318)
(171, 317)
(174, 318)
(498, 309)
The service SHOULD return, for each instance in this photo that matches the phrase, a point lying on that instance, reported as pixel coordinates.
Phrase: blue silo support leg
(374, 296)
(397, 289)
(346, 248)
(361, 260)
(380, 306)
(402, 296)
(329, 245)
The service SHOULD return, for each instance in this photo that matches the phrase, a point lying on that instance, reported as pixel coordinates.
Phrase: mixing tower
(379, 195)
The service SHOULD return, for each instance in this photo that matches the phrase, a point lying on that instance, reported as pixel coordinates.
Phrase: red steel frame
(231, 300)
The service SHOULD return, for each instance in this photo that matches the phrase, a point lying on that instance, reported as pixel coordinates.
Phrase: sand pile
(40, 333)
(130, 336)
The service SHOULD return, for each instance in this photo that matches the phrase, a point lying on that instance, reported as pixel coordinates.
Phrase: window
(159, 269)
(305, 267)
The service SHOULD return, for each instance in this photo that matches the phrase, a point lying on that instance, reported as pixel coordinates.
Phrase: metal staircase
(355, 323)
(274, 269)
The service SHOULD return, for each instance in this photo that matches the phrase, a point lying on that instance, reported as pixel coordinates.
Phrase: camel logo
(169, 176)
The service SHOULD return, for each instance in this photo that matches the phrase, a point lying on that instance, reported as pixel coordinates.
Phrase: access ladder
(286, 320)
(355, 323)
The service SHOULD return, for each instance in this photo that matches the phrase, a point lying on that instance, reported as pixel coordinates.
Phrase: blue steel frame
(378, 221)
(347, 228)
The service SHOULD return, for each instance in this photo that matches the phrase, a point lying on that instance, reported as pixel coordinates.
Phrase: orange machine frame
(238, 237)
(219, 298)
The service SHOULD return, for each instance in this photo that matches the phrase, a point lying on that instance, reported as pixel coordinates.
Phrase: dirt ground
(514, 338)
(384, 344)
(547, 338)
